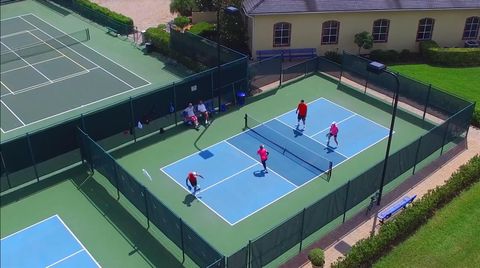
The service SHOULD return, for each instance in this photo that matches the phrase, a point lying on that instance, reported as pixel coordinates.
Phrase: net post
(445, 134)
(245, 118)
(87, 31)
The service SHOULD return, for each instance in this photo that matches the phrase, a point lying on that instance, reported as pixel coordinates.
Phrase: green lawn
(463, 82)
(450, 239)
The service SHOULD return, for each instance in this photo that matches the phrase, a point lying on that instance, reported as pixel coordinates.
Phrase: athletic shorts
(193, 118)
(301, 117)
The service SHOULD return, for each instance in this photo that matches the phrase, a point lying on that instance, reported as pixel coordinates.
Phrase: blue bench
(292, 53)
(400, 204)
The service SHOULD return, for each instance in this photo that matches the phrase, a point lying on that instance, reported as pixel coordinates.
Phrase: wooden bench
(292, 53)
(400, 204)
(112, 32)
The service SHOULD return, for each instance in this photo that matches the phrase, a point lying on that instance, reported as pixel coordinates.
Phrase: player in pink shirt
(333, 132)
(263, 157)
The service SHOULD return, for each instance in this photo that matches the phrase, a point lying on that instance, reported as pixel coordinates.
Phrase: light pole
(230, 10)
(378, 68)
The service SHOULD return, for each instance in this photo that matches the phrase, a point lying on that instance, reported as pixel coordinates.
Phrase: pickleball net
(288, 147)
(44, 46)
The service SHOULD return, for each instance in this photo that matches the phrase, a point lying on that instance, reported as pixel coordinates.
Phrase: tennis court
(48, 243)
(235, 186)
(47, 72)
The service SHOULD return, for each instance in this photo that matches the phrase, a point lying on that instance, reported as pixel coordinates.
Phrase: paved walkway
(337, 243)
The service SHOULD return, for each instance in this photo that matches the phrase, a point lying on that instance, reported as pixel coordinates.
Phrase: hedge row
(101, 15)
(160, 40)
(461, 57)
(367, 251)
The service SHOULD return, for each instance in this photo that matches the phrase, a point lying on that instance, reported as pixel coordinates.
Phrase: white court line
(199, 199)
(259, 162)
(235, 174)
(66, 227)
(71, 255)
(26, 61)
(25, 66)
(56, 49)
(13, 34)
(339, 122)
(76, 108)
(11, 92)
(1, 129)
(357, 114)
(23, 90)
(89, 48)
(11, 18)
(26, 228)
(18, 118)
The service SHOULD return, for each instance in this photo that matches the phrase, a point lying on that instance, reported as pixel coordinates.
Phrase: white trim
(28, 63)
(226, 178)
(25, 66)
(71, 255)
(11, 92)
(359, 11)
(68, 229)
(26, 228)
(16, 116)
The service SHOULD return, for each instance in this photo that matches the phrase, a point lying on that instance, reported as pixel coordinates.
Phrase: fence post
(416, 155)
(116, 179)
(281, 70)
(6, 170)
(181, 239)
(82, 118)
(134, 124)
(346, 203)
(249, 253)
(175, 102)
(366, 83)
(32, 156)
(301, 230)
(211, 89)
(144, 192)
(426, 101)
(445, 134)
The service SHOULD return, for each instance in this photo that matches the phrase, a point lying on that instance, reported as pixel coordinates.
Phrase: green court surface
(64, 81)
(158, 151)
(101, 223)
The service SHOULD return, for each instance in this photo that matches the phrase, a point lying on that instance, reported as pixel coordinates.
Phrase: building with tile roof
(331, 25)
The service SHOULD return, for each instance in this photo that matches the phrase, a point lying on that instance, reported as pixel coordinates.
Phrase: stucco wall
(306, 29)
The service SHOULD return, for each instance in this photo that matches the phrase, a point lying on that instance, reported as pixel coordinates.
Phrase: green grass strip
(449, 239)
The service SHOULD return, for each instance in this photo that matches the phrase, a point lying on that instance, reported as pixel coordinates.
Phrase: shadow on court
(189, 198)
(141, 240)
(259, 173)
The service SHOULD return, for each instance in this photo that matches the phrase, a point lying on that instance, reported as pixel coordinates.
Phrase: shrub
(159, 38)
(405, 55)
(367, 251)
(449, 56)
(204, 29)
(476, 117)
(181, 22)
(333, 56)
(385, 55)
(317, 257)
(121, 23)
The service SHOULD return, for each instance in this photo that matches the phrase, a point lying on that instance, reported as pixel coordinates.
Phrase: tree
(363, 40)
(233, 30)
(183, 7)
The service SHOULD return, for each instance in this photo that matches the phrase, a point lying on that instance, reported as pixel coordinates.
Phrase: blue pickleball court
(235, 185)
(48, 243)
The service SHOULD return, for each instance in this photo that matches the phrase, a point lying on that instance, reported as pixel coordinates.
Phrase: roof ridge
(256, 5)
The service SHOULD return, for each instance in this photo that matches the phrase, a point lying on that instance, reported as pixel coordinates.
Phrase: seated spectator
(190, 115)
(203, 111)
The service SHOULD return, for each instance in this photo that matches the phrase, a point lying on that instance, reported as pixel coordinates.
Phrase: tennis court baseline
(48, 243)
(235, 186)
(46, 72)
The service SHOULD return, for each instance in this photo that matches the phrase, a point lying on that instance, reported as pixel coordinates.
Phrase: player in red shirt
(263, 157)
(333, 132)
(301, 113)
(192, 178)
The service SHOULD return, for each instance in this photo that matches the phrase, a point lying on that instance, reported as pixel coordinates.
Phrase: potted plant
(317, 257)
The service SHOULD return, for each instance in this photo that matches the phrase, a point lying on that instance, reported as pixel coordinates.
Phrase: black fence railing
(172, 226)
(292, 232)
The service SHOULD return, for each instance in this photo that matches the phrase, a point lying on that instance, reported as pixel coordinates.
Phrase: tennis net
(288, 147)
(44, 46)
